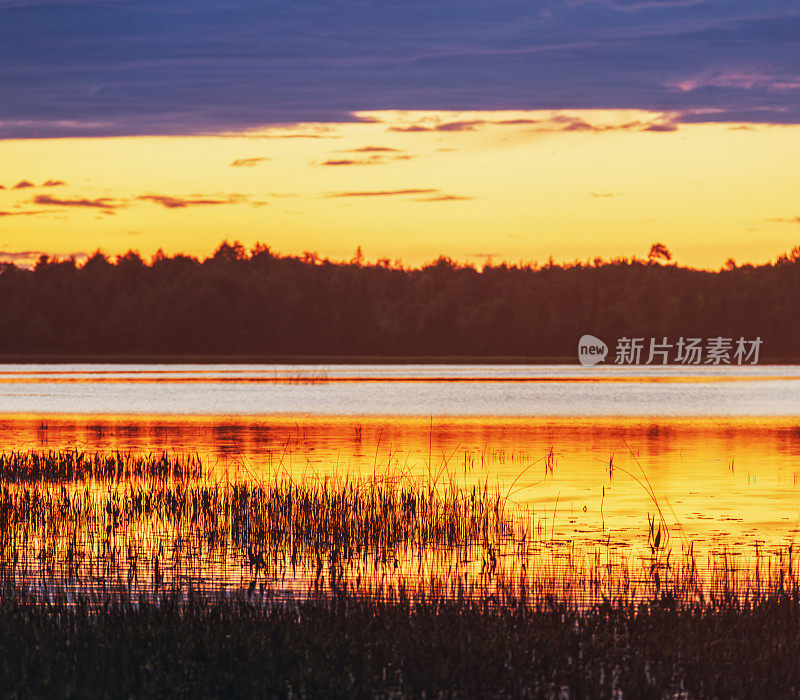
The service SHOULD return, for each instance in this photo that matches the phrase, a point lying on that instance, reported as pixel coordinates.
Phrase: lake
(409, 390)
(585, 456)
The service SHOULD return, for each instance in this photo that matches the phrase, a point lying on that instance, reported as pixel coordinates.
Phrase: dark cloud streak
(106, 203)
(25, 212)
(183, 202)
(557, 122)
(247, 162)
(445, 198)
(376, 159)
(375, 149)
(383, 193)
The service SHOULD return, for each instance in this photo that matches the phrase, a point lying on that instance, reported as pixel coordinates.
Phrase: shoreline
(336, 360)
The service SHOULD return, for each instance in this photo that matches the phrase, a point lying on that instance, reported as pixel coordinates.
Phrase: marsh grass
(196, 644)
(152, 521)
(73, 465)
(146, 523)
(126, 575)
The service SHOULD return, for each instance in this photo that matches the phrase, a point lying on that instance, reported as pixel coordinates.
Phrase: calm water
(575, 449)
(380, 390)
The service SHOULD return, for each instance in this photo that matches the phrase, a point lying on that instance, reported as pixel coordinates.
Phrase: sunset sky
(504, 130)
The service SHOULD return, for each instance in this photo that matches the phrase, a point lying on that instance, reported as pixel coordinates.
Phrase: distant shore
(330, 360)
(284, 359)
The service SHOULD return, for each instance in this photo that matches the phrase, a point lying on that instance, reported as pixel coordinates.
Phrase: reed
(148, 523)
(197, 644)
(66, 466)
(127, 575)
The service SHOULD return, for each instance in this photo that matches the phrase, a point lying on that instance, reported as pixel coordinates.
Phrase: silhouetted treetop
(658, 251)
(257, 302)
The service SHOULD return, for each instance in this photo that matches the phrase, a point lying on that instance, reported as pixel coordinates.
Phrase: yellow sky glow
(516, 186)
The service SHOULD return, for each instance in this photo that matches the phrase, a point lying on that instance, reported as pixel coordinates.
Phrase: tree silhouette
(260, 303)
(658, 251)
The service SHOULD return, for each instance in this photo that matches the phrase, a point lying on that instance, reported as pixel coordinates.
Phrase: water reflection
(713, 477)
(564, 496)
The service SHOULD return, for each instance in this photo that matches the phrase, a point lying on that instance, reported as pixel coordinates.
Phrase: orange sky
(516, 186)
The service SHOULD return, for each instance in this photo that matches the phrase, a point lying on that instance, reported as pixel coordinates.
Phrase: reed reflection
(715, 477)
(293, 503)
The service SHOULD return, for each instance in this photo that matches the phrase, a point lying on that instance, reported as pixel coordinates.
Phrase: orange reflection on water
(326, 377)
(574, 485)
(736, 480)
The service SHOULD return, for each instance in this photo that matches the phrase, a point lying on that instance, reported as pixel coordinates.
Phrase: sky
(494, 130)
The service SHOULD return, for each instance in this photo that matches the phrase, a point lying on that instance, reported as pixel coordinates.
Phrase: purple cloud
(183, 202)
(100, 203)
(112, 68)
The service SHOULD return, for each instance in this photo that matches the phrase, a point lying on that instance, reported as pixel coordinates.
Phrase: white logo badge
(591, 350)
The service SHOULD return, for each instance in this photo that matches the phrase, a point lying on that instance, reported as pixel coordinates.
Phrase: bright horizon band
(516, 186)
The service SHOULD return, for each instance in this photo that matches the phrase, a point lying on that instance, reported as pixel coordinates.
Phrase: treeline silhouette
(258, 303)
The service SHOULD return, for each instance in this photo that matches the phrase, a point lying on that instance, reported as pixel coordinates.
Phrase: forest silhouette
(257, 303)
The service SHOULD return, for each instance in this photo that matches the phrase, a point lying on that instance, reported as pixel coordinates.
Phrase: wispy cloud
(428, 194)
(550, 123)
(637, 5)
(574, 124)
(53, 183)
(24, 212)
(444, 198)
(662, 127)
(383, 193)
(324, 132)
(413, 128)
(742, 79)
(170, 202)
(459, 126)
(296, 136)
(374, 149)
(247, 162)
(376, 159)
(23, 184)
(445, 126)
(516, 122)
(568, 122)
(106, 203)
(455, 126)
